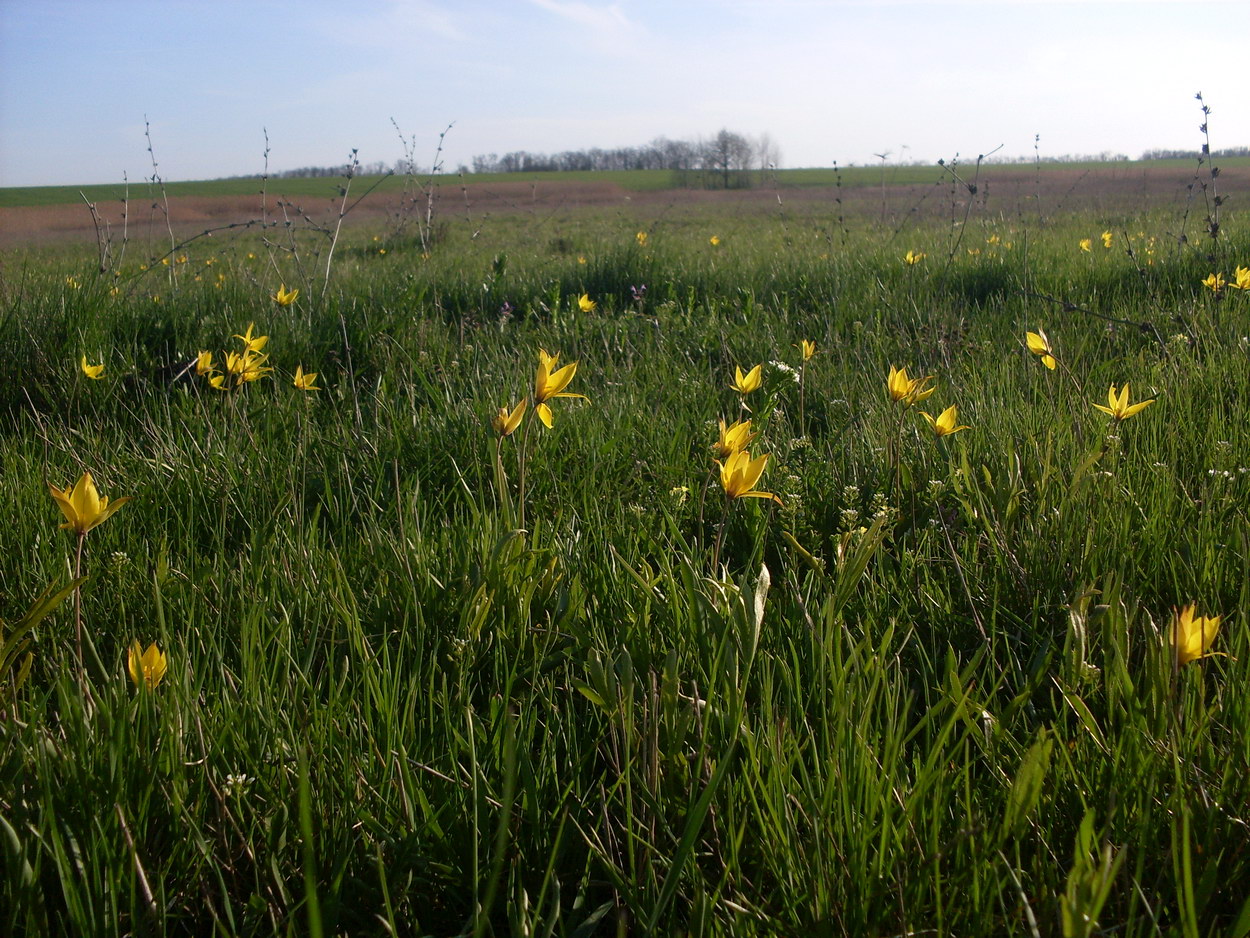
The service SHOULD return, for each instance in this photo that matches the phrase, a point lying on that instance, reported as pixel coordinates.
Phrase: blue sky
(826, 79)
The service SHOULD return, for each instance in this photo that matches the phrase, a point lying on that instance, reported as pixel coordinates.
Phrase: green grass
(930, 691)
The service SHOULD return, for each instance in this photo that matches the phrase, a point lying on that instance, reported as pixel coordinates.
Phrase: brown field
(1112, 190)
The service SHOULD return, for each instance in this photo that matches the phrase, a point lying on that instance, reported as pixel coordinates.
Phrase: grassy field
(422, 678)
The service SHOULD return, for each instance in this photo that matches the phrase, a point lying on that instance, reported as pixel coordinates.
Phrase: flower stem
(82, 539)
(720, 538)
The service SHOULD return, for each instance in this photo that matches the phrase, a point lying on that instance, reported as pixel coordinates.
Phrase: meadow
(424, 665)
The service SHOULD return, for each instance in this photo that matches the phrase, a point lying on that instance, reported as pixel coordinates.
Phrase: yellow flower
(714, 240)
(907, 390)
(1191, 636)
(1241, 278)
(146, 667)
(944, 424)
(1039, 345)
(304, 381)
(91, 371)
(505, 423)
(733, 438)
(246, 366)
(641, 238)
(739, 473)
(911, 258)
(549, 384)
(586, 304)
(1119, 407)
(807, 347)
(285, 297)
(204, 363)
(82, 505)
(992, 239)
(1087, 244)
(1216, 282)
(218, 381)
(1107, 238)
(746, 383)
(253, 343)
(581, 259)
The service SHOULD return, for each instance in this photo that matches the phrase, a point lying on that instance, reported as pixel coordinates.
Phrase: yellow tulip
(714, 240)
(92, 371)
(147, 668)
(1241, 278)
(83, 506)
(1039, 345)
(204, 363)
(1107, 238)
(739, 473)
(1087, 244)
(807, 347)
(912, 258)
(1191, 636)
(944, 424)
(907, 390)
(1119, 407)
(505, 423)
(641, 238)
(304, 380)
(550, 384)
(733, 438)
(285, 297)
(254, 343)
(1216, 282)
(746, 383)
(586, 304)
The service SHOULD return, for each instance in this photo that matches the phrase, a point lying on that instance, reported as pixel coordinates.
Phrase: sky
(827, 80)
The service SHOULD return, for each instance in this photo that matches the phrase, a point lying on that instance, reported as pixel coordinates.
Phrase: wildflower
(807, 347)
(746, 383)
(992, 239)
(641, 238)
(912, 258)
(714, 240)
(1216, 282)
(739, 473)
(253, 343)
(1039, 345)
(285, 297)
(944, 424)
(304, 381)
(146, 667)
(1119, 407)
(91, 371)
(733, 438)
(586, 304)
(907, 390)
(204, 363)
(549, 384)
(1191, 636)
(1241, 279)
(581, 259)
(1087, 244)
(246, 366)
(73, 283)
(1107, 238)
(82, 505)
(505, 423)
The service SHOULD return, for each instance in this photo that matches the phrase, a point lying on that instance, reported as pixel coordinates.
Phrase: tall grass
(927, 695)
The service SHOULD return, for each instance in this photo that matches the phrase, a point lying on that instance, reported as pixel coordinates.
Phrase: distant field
(630, 180)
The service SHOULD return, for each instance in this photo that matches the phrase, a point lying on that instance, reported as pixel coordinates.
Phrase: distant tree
(728, 155)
